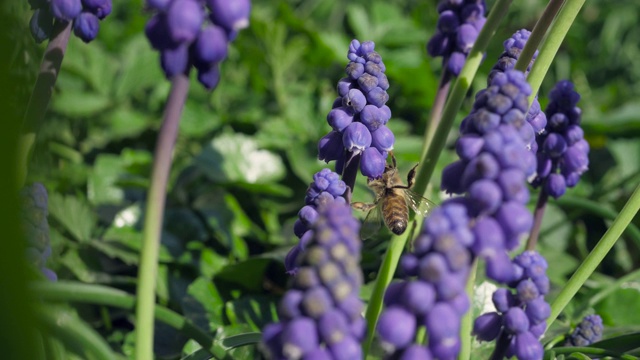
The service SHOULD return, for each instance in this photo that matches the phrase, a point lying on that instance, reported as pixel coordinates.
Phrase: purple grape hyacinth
(459, 24)
(359, 115)
(587, 332)
(34, 214)
(85, 15)
(321, 313)
(325, 188)
(193, 32)
(563, 152)
(521, 310)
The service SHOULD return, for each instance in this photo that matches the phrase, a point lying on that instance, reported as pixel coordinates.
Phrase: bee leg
(362, 206)
(411, 176)
(393, 159)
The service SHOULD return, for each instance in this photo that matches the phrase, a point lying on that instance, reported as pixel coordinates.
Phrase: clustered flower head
(563, 152)
(85, 15)
(325, 188)
(194, 32)
(321, 313)
(436, 298)
(359, 115)
(513, 46)
(587, 332)
(521, 310)
(459, 24)
(35, 226)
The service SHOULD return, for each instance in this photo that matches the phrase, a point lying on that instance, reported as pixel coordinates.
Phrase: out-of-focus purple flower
(563, 154)
(66, 9)
(325, 188)
(458, 27)
(588, 331)
(41, 24)
(359, 114)
(320, 315)
(231, 15)
(85, 15)
(35, 225)
(100, 8)
(86, 26)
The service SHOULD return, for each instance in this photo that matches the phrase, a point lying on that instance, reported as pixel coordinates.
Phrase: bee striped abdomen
(395, 212)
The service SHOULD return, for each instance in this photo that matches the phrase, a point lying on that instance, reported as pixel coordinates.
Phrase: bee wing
(372, 223)
(420, 205)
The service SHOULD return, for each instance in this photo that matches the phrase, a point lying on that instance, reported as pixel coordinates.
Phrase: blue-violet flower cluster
(85, 15)
(436, 299)
(321, 313)
(35, 226)
(459, 24)
(587, 332)
(521, 310)
(325, 188)
(359, 115)
(563, 152)
(193, 32)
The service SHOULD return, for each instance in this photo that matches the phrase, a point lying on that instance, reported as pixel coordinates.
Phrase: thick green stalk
(460, 88)
(597, 254)
(42, 91)
(466, 326)
(147, 275)
(537, 34)
(72, 330)
(68, 291)
(549, 49)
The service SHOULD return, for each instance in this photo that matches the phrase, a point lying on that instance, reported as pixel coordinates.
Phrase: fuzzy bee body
(392, 202)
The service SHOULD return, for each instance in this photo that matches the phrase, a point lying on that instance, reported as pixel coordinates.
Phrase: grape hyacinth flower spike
(325, 188)
(459, 24)
(588, 331)
(84, 14)
(34, 213)
(320, 315)
(195, 33)
(359, 116)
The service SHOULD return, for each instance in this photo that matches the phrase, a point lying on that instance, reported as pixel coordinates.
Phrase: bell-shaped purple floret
(231, 15)
(184, 19)
(210, 45)
(86, 26)
(66, 9)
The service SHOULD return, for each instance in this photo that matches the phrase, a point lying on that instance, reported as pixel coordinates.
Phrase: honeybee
(392, 202)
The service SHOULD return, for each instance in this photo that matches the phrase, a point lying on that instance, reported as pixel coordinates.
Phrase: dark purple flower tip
(484, 166)
(393, 294)
(50, 274)
(41, 24)
(289, 306)
(209, 75)
(555, 185)
(418, 297)
(356, 137)
(558, 122)
(469, 146)
(503, 299)
(210, 45)
(383, 139)
(573, 134)
(516, 321)
(448, 22)
(486, 195)
(372, 163)
(158, 33)
(587, 332)
(339, 118)
(396, 327)
(354, 70)
(377, 97)
(416, 352)
(525, 346)
(175, 60)
(466, 37)
(373, 117)
(231, 15)
(100, 8)
(354, 101)
(489, 237)
(538, 310)
(86, 26)
(160, 5)
(500, 268)
(330, 147)
(455, 62)
(515, 219)
(538, 122)
(439, 45)
(554, 145)
(184, 19)
(487, 326)
(299, 337)
(66, 9)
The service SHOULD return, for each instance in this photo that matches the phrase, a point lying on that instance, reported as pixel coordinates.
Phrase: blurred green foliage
(247, 151)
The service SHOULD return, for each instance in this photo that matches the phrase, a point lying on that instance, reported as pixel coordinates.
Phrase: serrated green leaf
(198, 120)
(124, 123)
(80, 104)
(140, 68)
(101, 188)
(74, 214)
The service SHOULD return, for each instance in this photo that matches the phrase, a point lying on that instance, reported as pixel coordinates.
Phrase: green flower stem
(460, 88)
(591, 351)
(552, 43)
(467, 320)
(73, 331)
(148, 272)
(537, 34)
(597, 254)
(436, 110)
(42, 90)
(68, 291)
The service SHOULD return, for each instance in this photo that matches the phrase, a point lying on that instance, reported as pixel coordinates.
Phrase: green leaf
(140, 69)
(75, 215)
(620, 344)
(124, 123)
(101, 186)
(245, 339)
(80, 104)
(203, 302)
(198, 120)
(233, 158)
(622, 306)
(359, 21)
(248, 274)
(254, 310)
